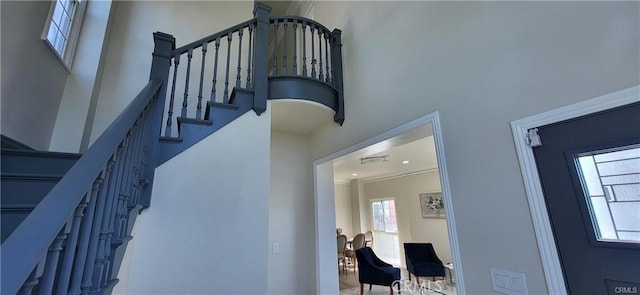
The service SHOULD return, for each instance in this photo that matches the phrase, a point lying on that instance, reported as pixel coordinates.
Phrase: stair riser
(29, 163)
(11, 219)
(17, 191)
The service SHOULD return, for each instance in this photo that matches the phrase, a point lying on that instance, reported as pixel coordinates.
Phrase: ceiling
(415, 146)
(299, 116)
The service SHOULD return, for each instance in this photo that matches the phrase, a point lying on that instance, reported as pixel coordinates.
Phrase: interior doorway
(327, 204)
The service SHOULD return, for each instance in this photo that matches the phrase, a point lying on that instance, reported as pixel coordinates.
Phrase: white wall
(481, 65)
(344, 213)
(77, 107)
(207, 229)
(32, 80)
(291, 216)
(128, 59)
(411, 226)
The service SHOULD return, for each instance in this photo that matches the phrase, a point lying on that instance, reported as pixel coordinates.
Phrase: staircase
(27, 176)
(67, 219)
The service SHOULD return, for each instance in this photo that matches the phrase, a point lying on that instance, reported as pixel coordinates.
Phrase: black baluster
(183, 114)
(87, 277)
(199, 106)
(284, 56)
(70, 249)
(32, 281)
(121, 189)
(275, 48)
(176, 62)
(137, 164)
(215, 71)
(321, 76)
(313, 52)
(249, 65)
(46, 287)
(83, 247)
(240, 32)
(112, 211)
(295, 48)
(225, 99)
(326, 52)
(304, 49)
(102, 261)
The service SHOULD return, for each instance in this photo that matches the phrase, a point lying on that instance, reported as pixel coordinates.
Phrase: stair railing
(304, 48)
(231, 64)
(241, 57)
(68, 244)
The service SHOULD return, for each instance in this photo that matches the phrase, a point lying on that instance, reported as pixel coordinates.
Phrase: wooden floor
(349, 279)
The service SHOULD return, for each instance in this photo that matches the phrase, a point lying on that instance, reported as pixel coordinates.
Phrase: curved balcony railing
(305, 62)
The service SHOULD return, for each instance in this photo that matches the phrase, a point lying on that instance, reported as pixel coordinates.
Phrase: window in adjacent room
(384, 216)
(63, 28)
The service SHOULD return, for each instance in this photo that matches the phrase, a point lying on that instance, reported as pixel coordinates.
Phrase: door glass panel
(611, 182)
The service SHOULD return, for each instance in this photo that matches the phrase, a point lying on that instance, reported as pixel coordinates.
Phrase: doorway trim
(533, 187)
(326, 277)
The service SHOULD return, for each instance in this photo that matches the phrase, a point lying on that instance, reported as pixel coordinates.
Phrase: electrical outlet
(276, 248)
(508, 282)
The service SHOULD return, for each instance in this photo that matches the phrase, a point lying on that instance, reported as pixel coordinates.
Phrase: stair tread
(14, 207)
(171, 139)
(40, 153)
(195, 121)
(223, 105)
(18, 175)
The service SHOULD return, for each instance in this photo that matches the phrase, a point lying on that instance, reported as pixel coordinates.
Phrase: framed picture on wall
(432, 205)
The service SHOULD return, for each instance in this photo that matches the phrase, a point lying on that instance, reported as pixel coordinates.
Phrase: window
(611, 182)
(384, 216)
(63, 28)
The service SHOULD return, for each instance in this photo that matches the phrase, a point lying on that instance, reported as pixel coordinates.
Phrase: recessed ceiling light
(354, 174)
(405, 162)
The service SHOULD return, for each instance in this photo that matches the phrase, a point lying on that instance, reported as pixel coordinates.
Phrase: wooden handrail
(298, 19)
(208, 39)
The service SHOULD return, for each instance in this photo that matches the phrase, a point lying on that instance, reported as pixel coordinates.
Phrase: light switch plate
(508, 282)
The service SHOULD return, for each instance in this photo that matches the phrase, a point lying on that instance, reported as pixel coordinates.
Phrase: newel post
(160, 65)
(336, 65)
(261, 59)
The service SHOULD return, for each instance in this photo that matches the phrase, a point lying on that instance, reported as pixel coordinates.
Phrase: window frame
(65, 60)
(373, 221)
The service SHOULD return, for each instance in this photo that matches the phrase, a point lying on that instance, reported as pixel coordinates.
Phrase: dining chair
(358, 243)
(342, 248)
(368, 238)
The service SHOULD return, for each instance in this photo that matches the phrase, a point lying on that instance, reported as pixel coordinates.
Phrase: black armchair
(373, 271)
(422, 261)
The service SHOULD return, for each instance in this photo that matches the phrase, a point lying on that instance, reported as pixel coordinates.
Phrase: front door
(590, 173)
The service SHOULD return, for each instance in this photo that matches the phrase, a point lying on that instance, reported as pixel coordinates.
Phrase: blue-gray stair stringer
(217, 115)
